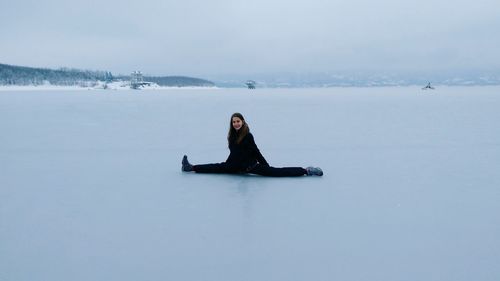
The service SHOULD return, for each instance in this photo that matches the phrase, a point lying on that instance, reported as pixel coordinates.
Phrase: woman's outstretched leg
(278, 172)
(218, 168)
(286, 171)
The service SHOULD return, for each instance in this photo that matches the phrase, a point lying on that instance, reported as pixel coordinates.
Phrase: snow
(99, 85)
(91, 187)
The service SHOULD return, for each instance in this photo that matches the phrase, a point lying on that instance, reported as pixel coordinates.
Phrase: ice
(91, 186)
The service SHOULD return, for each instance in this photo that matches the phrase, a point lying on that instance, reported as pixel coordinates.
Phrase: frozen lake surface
(91, 187)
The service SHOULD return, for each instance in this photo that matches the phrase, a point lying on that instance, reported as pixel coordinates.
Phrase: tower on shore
(136, 80)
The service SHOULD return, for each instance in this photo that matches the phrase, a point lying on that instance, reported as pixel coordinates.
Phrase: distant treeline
(24, 76)
(179, 81)
(173, 81)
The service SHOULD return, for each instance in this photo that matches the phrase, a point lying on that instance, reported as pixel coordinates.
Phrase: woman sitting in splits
(245, 157)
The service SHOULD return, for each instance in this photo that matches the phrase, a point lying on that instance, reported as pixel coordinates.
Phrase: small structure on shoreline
(250, 84)
(137, 80)
(428, 87)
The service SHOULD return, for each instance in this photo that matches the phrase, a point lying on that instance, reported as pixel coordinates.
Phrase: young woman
(245, 157)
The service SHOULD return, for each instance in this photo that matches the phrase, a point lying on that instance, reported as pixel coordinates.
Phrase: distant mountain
(25, 76)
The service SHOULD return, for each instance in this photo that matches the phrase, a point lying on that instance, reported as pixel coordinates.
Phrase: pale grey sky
(205, 38)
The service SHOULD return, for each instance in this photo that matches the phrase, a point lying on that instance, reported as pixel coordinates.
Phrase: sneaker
(314, 171)
(186, 166)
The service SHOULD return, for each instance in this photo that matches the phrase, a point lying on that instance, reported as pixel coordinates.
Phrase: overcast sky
(217, 37)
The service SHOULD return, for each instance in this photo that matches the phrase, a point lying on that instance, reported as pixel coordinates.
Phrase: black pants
(223, 168)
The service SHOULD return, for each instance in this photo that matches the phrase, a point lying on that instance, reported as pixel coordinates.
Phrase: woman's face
(237, 123)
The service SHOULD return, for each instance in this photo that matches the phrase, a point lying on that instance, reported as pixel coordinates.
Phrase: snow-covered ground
(91, 187)
(99, 85)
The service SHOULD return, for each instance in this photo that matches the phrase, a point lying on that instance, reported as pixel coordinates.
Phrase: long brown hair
(234, 136)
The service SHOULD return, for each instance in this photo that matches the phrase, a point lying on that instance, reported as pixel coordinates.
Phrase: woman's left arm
(256, 151)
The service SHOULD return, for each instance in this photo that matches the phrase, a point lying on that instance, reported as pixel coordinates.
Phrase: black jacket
(246, 155)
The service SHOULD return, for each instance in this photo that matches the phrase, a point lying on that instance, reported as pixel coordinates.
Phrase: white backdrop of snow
(91, 187)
